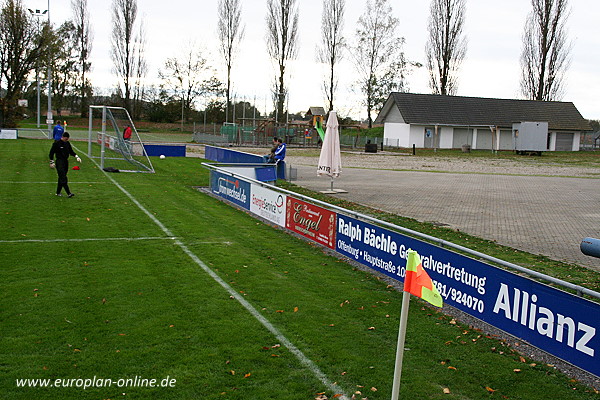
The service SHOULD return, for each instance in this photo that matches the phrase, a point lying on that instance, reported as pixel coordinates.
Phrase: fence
(560, 323)
(240, 135)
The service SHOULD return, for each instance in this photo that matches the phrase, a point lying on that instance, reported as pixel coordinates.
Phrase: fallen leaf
(453, 321)
(522, 359)
(247, 375)
(279, 311)
(517, 370)
(371, 328)
(489, 389)
(232, 372)
(295, 309)
(454, 368)
(446, 391)
(373, 389)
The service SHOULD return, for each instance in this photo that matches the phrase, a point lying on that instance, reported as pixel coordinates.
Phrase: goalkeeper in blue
(62, 150)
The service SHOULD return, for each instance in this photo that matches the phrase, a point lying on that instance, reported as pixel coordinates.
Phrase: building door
(564, 142)
(429, 138)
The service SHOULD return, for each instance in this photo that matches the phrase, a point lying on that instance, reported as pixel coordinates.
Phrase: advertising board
(310, 221)
(268, 204)
(550, 319)
(233, 189)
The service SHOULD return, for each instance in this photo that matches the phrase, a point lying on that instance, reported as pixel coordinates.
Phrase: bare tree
(378, 55)
(545, 55)
(187, 76)
(21, 45)
(282, 43)
(140, 72)
(446, 46)
(332, 43)
(84, 36)
(64, 59)
(127, 49)
(230, 35)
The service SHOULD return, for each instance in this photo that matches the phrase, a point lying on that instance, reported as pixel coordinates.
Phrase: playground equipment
(318, 116)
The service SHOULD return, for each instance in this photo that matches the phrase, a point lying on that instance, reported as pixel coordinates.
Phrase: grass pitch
(105, 286)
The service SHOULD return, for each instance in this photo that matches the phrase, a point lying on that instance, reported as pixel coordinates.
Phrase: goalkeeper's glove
(78, 159)
(51, 163)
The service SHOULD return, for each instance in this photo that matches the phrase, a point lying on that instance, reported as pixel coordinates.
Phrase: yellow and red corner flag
(418, 283)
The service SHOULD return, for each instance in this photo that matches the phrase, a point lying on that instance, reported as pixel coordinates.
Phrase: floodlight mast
(38, 14)
(49, 119)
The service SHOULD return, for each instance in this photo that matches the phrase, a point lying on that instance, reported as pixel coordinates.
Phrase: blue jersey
(280, 152)
(57, 132)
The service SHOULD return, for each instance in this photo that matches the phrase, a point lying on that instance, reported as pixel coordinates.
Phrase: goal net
(109, 141)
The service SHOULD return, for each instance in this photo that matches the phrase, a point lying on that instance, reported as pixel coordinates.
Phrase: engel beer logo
(231, 188)
(265, 205)
(305, 217)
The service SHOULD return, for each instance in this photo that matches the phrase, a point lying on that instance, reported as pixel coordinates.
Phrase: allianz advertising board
(550, 319)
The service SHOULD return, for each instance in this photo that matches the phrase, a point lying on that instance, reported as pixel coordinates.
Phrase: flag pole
(400, 347)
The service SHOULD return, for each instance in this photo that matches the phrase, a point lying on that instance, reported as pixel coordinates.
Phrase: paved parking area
(539, 214)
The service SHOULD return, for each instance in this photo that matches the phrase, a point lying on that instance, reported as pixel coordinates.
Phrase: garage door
(460, 137)
(484, 139)
(564, 142)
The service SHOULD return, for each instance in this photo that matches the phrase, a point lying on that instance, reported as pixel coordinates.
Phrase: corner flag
(418, 283)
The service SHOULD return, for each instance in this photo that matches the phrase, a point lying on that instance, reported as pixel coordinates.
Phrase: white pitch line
(53, 182)
(226, 243)
(85, 240)
(304, 360)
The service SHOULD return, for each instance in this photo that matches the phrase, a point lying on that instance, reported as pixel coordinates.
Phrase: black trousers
(62, 167)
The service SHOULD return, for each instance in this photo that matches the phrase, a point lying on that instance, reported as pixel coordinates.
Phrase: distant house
(436, 121)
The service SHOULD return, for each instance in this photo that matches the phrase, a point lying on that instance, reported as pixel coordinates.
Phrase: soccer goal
(113, 139)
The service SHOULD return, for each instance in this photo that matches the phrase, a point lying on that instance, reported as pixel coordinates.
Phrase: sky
(491, 68)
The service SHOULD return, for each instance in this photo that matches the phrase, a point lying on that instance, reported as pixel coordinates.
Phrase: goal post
(107, 143)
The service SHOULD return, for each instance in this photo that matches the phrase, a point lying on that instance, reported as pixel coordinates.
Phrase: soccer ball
(162, 157)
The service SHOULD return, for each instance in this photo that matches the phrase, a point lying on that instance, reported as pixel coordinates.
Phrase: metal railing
(579, 290)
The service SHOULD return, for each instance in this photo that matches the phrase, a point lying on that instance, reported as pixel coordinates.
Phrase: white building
(446, 122)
